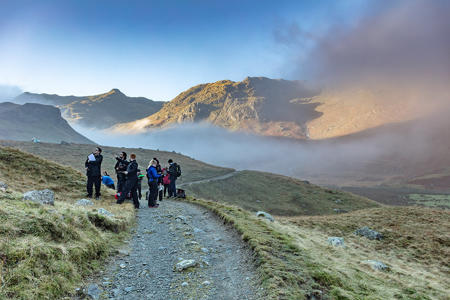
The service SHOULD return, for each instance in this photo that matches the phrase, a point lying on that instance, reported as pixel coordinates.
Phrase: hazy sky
(157, 49)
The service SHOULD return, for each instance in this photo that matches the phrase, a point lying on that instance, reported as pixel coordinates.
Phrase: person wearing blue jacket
(108, 181)
(153, 176)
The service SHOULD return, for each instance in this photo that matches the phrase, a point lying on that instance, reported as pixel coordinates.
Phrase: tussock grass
(279, 195)
(296, 262)
(46, 251)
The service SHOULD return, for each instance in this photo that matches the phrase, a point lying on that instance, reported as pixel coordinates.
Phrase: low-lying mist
(391, 151)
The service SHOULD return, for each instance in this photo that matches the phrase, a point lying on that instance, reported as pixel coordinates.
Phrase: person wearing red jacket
(166, 180)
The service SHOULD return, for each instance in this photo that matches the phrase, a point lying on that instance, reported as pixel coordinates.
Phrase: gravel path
(174, 232)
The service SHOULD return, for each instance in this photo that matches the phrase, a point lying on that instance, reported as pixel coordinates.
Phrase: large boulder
(42, 197)
(369, 233)
(376, 265)
(265, 215)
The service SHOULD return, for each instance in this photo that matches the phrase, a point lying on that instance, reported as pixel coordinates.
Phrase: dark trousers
(139, 188)
(91, 181)
(111, 186)
(121, 181)
(153, 195)
(166, 188)
(172, 187)
(130, 186)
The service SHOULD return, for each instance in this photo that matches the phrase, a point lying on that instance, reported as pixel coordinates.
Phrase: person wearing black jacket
(173, 177)
(93, 167)
(160, 183)
(121, 167)
(131, 184)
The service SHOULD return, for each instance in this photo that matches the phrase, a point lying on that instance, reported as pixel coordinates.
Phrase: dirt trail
(228, 175)
(168, 234)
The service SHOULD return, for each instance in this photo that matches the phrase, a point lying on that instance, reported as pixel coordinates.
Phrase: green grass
(278, 194)
(47, 251)
(74, 155)
(294, 260)
(431, 200)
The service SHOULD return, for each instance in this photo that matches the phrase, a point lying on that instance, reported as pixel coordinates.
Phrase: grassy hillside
(295, 260)
(23, 122)
(46, 251)
(75, 155)
(278, 194)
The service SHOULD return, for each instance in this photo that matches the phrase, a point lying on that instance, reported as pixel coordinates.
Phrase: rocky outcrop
(257, 104)
(46, 197)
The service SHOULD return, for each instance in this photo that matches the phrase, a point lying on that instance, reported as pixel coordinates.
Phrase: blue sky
(157, 49)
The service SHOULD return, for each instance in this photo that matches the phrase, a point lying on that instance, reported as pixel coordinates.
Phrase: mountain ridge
(98, 111)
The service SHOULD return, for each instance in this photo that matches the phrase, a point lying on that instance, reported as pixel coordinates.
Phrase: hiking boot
(97, 198)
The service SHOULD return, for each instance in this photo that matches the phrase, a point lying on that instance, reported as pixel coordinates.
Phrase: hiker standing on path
(121, 167)
(160, 183)
(153, 178)
(166, 180)
(174, 173)
(131, 184)
(93, 166)
(140, 177)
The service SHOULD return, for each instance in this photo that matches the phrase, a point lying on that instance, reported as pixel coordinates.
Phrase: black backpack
(177, 170)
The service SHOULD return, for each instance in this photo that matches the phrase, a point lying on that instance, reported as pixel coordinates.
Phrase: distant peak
(115, 91)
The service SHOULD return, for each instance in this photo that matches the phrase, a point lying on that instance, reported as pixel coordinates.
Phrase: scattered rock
(316, 295)
(265, 215)
(123, 266)
(64, 143)
(84, 202)
(42, 197)
(93, 291)
(3, 186)
(205, 250)
(128, 289)
(181, 218)
(185, 284)
(104, 212)
(338, 201)
(336, 241)
(340, 211)
(376, 265)
(185, 264)
(116, 292)
(369, 233)
(206, 282)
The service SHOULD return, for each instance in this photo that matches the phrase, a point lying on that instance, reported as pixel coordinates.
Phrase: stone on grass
(104, 212)
(84, 202)
(336, 241)
(206, 282)
(128, 289)
(185, 264)
(340, 211)
(265, 215)
(376, 265)
(369, 233)
(93, 291)
(185, 284)
(205, 250)
(3, 186)
(42, 197)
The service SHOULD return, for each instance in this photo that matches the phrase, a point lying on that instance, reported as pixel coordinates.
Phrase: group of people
(129, 178)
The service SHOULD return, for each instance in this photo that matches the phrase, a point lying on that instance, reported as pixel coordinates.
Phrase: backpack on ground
(181, 193)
